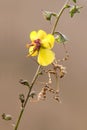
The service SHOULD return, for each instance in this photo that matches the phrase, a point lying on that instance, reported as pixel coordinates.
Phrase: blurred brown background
(17, 19)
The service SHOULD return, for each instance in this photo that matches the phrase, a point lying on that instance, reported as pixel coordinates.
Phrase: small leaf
(6, 117)
(61, 38)
(24, 82)
(74, 9)
(74, 1)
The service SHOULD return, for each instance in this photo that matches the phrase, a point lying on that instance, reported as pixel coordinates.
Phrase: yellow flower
(41, 46)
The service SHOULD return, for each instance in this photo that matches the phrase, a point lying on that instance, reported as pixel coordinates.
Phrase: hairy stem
(27, 98)
(59, 15)
(37, 72)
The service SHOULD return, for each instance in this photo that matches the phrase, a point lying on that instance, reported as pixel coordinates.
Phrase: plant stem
(28, 95)
(58, 16)
(37, 72)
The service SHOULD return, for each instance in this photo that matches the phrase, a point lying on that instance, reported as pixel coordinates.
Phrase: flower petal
(45, 57)
(32, 52)
(33, 35)
(41, 34)
(48, 41)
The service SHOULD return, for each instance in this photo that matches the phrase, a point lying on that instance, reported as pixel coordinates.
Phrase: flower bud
(32, 94)
(47, 15)
(24, 82)
(6, 117)
(22, 98)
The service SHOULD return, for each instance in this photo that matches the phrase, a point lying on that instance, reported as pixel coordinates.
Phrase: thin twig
(58, 16)
(28, 95)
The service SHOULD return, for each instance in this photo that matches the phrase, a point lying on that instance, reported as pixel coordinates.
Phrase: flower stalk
(59, 15)
(38, 69)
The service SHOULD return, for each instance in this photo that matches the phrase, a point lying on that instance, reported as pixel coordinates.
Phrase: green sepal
(32, 94)
(22, 98)
(24, 82)
(60, 38)
(48, 15)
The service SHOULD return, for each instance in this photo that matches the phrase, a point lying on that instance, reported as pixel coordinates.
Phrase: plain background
(17, 19)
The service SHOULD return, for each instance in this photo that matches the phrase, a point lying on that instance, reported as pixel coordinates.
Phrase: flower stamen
(37, 44)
